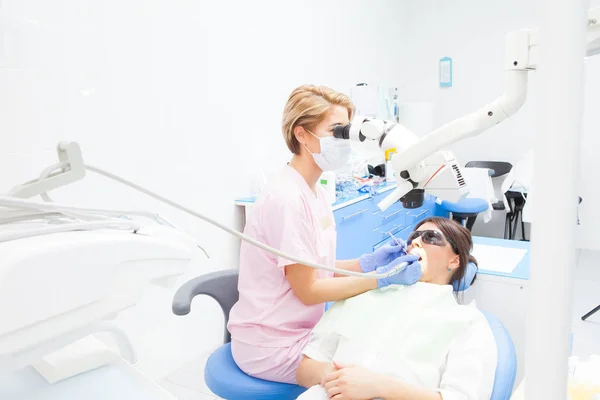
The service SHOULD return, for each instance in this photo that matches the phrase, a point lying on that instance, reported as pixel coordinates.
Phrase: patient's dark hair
(460, 240)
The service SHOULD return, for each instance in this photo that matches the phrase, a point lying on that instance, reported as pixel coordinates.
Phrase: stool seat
(466, 206)
(224, 378)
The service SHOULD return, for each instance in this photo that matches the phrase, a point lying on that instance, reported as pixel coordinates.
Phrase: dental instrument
(398, 242)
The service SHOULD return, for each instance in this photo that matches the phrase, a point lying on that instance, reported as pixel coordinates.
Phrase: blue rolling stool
(496, 170)
(465, 211)
(227, 381)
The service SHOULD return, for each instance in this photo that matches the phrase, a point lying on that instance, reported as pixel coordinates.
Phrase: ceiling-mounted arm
(517, 65)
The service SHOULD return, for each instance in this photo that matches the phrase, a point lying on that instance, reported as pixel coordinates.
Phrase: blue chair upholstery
(506, 370)
(227, 381)
(224, 378)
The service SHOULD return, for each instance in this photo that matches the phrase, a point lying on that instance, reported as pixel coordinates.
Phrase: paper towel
(481, 187)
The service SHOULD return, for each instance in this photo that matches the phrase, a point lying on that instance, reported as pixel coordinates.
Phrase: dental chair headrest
(465, 282)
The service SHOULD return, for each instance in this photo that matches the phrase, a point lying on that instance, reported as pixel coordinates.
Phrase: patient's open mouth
(415, 251)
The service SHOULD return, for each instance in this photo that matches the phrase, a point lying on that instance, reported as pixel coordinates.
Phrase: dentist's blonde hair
(307, 107)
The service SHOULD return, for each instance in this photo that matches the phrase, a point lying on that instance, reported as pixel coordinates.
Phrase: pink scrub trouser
(277, 364)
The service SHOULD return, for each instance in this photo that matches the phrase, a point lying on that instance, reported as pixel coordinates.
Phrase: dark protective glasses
(435, 238)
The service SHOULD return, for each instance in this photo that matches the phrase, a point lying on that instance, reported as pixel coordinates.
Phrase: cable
(78, 226)
(51, 207)
(27, 216)
(13, 202)
(240, 235)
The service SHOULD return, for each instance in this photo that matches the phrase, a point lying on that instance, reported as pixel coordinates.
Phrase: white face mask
(334, 152)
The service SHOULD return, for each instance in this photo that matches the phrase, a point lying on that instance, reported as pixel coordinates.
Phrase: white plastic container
(327, 180)
(390, 173)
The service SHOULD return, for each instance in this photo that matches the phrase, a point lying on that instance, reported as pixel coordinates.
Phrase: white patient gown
(418, 334)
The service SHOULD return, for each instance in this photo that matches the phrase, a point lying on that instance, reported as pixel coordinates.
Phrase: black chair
(516, 202)
(497, 169)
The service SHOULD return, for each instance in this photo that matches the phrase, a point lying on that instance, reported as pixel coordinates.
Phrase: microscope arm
(517, 65)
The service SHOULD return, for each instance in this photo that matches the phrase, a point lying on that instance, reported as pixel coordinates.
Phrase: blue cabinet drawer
(354, 241)
(402, 234)
(394, 211)
(352, 213)
(354, 224)
(418, 214)
(391, 228)
(365, 210)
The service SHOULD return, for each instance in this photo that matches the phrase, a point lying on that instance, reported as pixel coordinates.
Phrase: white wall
(589, 182)
(184, 97)
(472, 33)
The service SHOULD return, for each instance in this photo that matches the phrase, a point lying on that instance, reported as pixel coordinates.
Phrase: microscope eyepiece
(342, 131)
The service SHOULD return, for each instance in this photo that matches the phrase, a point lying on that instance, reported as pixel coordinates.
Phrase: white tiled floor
(586, 334)
(191, 375)
(187, 383)
(183, 393)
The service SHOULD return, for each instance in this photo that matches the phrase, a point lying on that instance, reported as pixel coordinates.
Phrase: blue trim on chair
(506, 369)
(224, 378)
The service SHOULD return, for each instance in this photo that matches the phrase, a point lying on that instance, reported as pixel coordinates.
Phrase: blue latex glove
(409, 276)
(382, 256)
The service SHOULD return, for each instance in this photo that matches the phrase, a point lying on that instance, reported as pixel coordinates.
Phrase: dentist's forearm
(310, 290)
(347, 265)
(334, 289)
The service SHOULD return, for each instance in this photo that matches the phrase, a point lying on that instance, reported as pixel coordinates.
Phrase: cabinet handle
(422, 212)
(354, 215)
(389, 233)
(391, 215)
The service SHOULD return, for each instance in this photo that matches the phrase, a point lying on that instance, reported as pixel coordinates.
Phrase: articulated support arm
(419, 164)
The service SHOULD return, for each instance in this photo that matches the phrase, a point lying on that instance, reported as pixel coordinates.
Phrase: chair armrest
(220, 285)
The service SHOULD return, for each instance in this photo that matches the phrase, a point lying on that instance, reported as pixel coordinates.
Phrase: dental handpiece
(399, 268)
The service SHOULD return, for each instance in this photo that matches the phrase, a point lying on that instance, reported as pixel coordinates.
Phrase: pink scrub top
(290, 217)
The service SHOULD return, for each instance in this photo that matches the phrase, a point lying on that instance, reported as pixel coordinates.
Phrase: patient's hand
(328, 370)
(352, 382)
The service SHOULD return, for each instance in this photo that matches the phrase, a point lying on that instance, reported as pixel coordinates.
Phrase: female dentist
(281, 301)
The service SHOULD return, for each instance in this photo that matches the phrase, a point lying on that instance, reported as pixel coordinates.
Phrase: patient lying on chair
(407, 342)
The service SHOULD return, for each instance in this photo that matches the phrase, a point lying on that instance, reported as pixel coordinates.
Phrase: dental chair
(227, 381)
